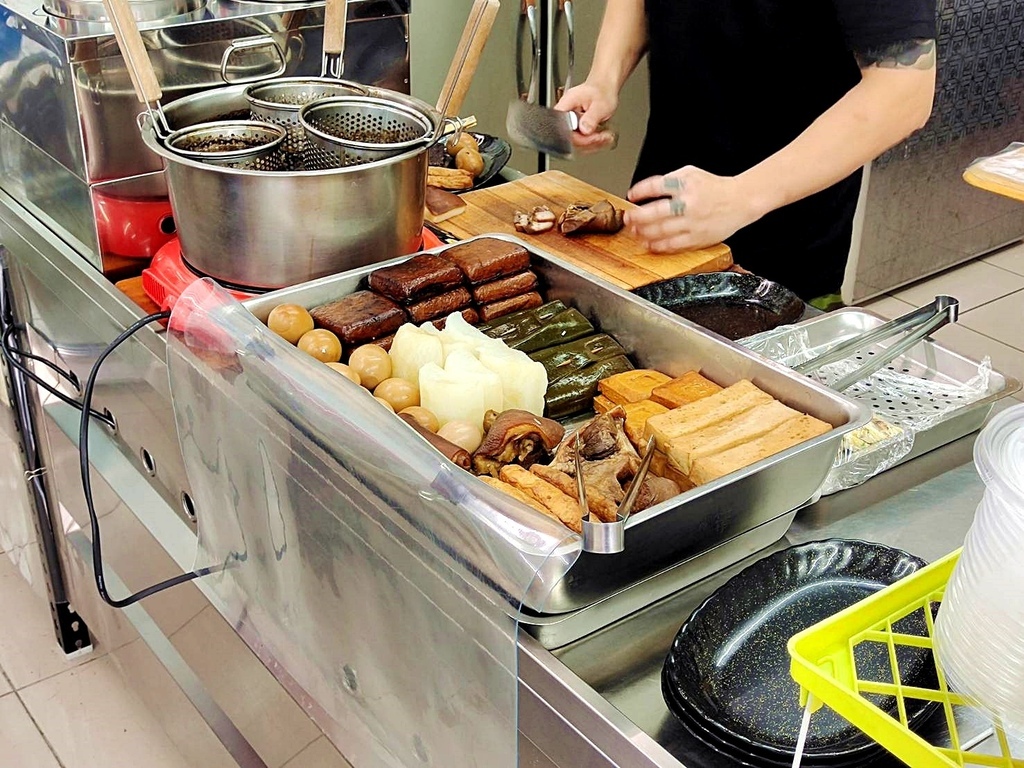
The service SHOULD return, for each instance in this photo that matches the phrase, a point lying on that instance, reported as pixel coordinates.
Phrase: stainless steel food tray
(929, 361)
(704, 517)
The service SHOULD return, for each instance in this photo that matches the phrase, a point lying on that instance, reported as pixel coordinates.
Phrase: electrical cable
(9, 351)
(68, 376)
(83, 451)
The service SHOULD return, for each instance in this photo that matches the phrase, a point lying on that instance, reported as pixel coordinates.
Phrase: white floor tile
(22, 744)
(5, 687)
(28, 647)
(973, 284)
(320, 754)
(139, 561)
(1006, 360)
(168, 705)
(1002, 320)
(1011, 259)
(888, 307)
(91, 719)
(261, 709)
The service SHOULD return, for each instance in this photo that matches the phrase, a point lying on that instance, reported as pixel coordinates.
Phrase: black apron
(731, 83)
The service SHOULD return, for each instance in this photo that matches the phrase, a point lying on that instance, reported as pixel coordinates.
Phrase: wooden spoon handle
(467, 56)
(335, 20)
(133, 49)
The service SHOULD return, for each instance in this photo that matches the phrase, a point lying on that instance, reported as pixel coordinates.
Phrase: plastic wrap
(1002, 173)
(903, 404)
(379, 578)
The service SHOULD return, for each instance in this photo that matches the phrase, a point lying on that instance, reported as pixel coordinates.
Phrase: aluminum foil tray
(702, 518)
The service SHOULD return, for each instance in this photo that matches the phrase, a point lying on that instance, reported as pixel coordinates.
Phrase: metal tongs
(608, 538)
(923, 322)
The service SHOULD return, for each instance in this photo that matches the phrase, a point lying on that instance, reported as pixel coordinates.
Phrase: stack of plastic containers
(979, 634)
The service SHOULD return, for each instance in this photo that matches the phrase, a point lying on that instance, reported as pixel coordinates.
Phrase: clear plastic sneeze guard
(382, 581)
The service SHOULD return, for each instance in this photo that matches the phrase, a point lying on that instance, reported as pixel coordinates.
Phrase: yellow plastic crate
(822, 663)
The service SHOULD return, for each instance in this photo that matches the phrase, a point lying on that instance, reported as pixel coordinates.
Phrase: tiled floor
(55, 712)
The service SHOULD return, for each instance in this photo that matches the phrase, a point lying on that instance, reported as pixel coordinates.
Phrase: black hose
(83, 450)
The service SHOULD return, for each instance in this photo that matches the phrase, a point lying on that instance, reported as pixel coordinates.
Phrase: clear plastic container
(979, 633)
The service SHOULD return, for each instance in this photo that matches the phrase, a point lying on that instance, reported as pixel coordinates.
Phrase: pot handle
(453, 125)
(263, 41)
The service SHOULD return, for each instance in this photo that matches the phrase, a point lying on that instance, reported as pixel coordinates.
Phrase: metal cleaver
(542, 129)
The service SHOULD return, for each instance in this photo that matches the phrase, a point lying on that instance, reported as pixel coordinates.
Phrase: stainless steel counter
(595, 702)
(608, 684)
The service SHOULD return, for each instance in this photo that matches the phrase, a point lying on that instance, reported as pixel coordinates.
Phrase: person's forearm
(621, 43)
(884, 108)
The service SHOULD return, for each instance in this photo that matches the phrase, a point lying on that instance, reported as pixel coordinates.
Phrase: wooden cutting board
(618, 258)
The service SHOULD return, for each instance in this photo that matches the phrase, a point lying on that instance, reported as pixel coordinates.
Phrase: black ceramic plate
(732, 304)
(495, 152)
(728, 667)
(702, 733)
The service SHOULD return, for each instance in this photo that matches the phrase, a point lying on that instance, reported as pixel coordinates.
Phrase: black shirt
(734, 81)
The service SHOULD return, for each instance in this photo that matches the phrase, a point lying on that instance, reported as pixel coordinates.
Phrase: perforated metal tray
(929, 361)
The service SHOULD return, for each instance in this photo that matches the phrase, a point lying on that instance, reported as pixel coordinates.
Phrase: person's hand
(688, 209)
(594, 106)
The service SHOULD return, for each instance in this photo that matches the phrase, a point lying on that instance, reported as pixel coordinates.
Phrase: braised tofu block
(505, 287)
(423, 275)
(790, 433)
(495, 309)
(689, 387)
(703, 413)
(632, 386)
(440, 305)
(488, 258)
(360, 316)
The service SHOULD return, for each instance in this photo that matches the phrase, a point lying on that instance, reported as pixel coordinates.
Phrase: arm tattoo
(913, 54)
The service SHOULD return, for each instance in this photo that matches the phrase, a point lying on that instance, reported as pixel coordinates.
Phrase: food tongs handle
(609, 538)
(925, 320)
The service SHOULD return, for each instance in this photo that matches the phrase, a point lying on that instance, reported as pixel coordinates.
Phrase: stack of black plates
(727, 680)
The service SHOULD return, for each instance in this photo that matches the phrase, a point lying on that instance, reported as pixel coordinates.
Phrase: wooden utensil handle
(467, 56)
(133, 49)
(335, 21)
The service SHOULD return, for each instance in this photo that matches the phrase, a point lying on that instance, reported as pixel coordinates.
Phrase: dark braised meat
(597, 218)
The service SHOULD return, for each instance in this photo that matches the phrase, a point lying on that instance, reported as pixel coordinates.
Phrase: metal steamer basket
(242, 144)
(279, 102)
(270, 230)
(709, 527)
(265, 229)
(347, 131)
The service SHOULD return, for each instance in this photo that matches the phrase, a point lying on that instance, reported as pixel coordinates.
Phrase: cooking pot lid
(142, 10)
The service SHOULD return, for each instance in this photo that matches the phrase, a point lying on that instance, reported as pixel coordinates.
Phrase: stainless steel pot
(264, 230)
(270, 230)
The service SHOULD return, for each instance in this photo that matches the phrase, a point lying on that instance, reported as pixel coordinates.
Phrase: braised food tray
(699, 519)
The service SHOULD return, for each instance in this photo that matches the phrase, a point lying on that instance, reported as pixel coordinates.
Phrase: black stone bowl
(732, 304)
(728, 668)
